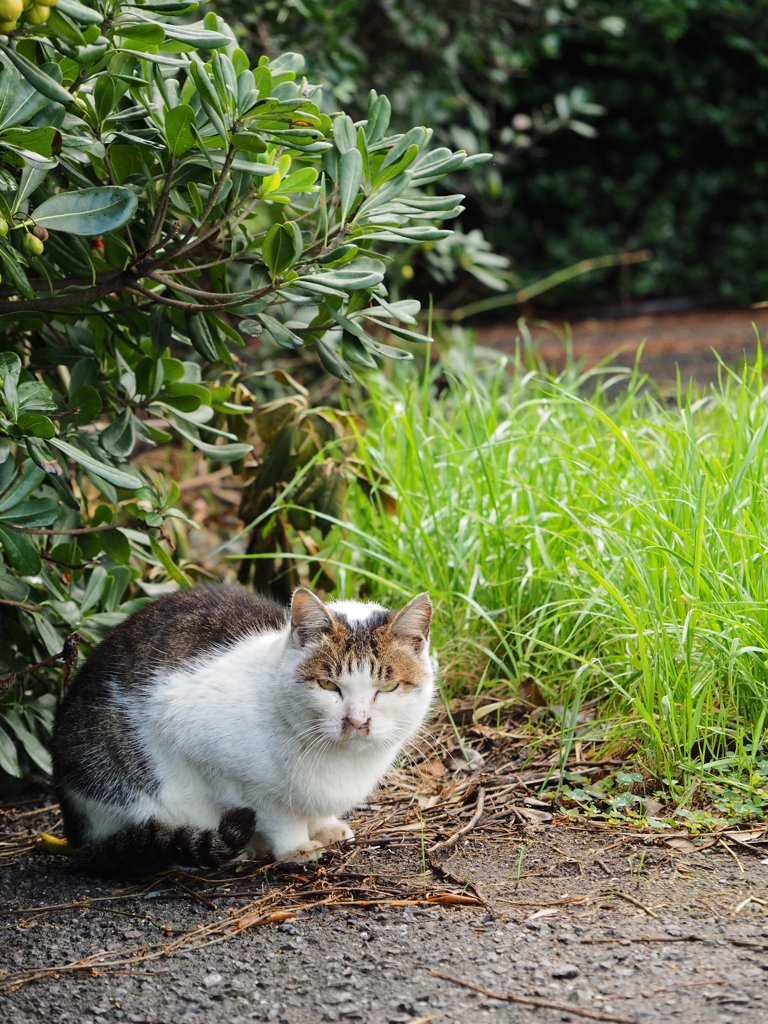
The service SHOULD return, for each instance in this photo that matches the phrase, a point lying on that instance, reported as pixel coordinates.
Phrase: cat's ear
(309, 618)
(412, 623)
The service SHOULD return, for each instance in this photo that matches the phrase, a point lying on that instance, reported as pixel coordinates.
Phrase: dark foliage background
(676, 161)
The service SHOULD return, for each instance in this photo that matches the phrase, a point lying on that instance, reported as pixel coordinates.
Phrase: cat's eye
(328, 684)
(388, 687)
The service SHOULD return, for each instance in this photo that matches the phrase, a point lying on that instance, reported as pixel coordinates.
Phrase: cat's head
(365, 672)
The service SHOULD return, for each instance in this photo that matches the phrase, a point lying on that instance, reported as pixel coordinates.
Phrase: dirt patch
(669, 340)
(465, 897)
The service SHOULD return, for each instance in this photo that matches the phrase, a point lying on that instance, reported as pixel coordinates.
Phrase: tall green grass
(580, 531)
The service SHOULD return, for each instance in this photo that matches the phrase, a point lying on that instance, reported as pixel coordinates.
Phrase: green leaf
(195, 34)
(250, 142)
(48, 634)
(283, 335)
(120, 436)
(390, 170)
(94, 588)
(27, 480)
(10, 368)
(208, 98)
(168, 564)
(218, 452)
(388, 350)
(379, 112)
(31, 744)
(126, 478)
(35, 397)
(400, 332)
(9, 759)
(344, 134)
(355, 351)
(87, 401)
(262, 79)
(116, 545)
(40, 81)
(37, 425)
(300, 181)
(12, 587)
(15, 274)
(171, 7)
(340, 255)
(178, 130)
(21, 554)
(415, 137)
(333, 362)
(79, 12)
(349, 278)
(351, 180)
(103, 97)
(19, 102)
(201, 337)
(144, 33)
(412, 234)
(35, 140)
(89, 211)
(280, 249)
(64, 28)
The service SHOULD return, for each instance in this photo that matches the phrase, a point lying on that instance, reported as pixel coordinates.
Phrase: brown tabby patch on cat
(345, 646)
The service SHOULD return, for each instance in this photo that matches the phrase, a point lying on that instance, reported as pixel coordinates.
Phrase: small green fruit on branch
(32, 246)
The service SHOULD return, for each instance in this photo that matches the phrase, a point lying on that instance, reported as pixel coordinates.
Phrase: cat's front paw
(330, 831)
(310, 851)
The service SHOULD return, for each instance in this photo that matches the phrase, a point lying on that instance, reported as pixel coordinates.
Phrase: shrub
(170, 214)
(613, 125)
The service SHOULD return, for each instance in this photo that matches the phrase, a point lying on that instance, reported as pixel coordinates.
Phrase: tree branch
(68, 654)
(161, 209)
(55, 533)
(179, 248)
(50, 303)
(21, 604)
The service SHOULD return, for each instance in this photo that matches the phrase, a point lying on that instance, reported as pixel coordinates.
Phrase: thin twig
(544, 1004)
(68, 653)
(192, 307)
(21, 604)
(729, 850)
(632, 900)
(162, 206)
(181, 246)
(75, 531)
(447, 843)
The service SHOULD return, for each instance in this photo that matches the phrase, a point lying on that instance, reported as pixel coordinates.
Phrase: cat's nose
(362, 723)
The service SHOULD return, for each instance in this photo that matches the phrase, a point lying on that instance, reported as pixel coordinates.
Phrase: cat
(214, 722)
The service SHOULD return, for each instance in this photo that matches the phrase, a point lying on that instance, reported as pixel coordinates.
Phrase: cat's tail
(151, 846)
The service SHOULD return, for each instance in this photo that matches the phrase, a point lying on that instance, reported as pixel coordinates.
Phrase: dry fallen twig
(544, 1004)
(447, 843)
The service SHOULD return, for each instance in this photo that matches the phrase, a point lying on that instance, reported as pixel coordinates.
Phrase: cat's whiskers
(299, 758)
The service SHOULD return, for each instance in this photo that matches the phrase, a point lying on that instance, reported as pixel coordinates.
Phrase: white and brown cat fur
(215, 722)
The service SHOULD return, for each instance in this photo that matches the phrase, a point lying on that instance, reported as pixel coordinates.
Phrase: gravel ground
(595, 923)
